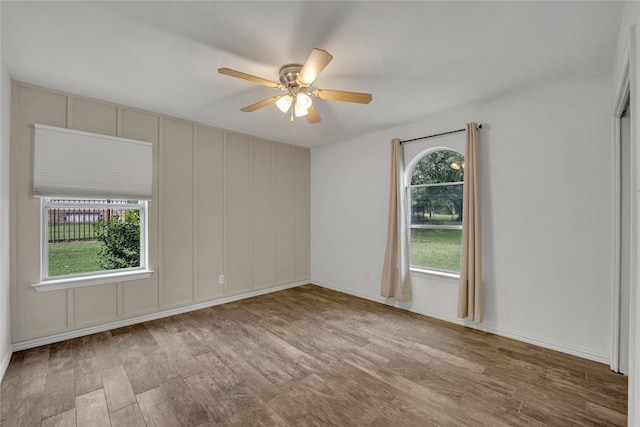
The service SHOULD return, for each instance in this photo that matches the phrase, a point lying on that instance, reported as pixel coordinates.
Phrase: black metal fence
(78, 223)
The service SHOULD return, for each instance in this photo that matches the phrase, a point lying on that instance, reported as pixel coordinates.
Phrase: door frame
(626, 83)
(623, 93)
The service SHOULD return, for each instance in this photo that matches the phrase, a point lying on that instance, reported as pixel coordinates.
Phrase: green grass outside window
(436, 249)
(74, 257)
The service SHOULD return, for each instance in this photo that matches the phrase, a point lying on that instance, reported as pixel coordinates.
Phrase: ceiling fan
(296, 79)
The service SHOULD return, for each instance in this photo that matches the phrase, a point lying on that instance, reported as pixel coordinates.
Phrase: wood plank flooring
(306, 356)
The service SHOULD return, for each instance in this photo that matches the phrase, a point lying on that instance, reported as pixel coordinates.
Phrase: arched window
(434, 196)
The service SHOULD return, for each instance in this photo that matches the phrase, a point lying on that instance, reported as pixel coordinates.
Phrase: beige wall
(223, 203)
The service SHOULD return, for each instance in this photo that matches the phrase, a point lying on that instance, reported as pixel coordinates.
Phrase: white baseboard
(49, 339)
(542, 342)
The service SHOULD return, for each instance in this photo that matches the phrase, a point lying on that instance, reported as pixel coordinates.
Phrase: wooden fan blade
(257, 105)
(340, 95)
(245, 76)
(312, 115)
(315, 63)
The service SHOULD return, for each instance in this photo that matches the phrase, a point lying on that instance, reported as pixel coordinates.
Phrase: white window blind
(74, 164)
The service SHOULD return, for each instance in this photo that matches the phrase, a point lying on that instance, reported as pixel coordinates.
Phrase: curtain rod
(437, 134)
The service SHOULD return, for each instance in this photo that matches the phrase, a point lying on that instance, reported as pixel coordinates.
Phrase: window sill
(435, 274)
(98, 279)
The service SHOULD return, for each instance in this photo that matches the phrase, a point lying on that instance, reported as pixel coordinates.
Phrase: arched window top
(437, 167)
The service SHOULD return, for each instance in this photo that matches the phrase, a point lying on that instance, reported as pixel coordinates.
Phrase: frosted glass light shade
(284, 103)
(303, 101)
(300, 112)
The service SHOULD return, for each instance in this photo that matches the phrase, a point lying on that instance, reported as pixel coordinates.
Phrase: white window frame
(407, 181)
(50, 283)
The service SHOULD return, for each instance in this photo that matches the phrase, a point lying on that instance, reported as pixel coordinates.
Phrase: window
(90, 237)
(94, 191)
(434, 196)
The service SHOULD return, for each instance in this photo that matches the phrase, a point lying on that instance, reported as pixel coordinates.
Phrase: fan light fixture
(303, 101)
(301, 112)
(301, 106)
(284, 103)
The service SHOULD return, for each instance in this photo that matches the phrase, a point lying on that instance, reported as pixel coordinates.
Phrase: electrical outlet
(366, 277)
(221, 279)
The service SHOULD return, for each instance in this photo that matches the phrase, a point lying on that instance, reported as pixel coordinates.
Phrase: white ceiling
(416, 58)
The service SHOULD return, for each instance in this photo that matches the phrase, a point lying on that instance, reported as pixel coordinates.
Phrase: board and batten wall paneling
(238, 213)
(210, 167)
(93, 304)
(33, 314)
(96, 117)
(262, 214)
(302, 213)
(177, 206)
(283, 163)
(222, 203)
(141, 296)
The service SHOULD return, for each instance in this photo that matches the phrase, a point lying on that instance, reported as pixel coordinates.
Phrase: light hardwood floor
(305, 356)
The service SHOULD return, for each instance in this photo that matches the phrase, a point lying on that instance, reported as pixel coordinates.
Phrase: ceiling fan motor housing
(289, 75)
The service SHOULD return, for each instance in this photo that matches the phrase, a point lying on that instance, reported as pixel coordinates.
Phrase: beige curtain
(470, 292)
(395, 273)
